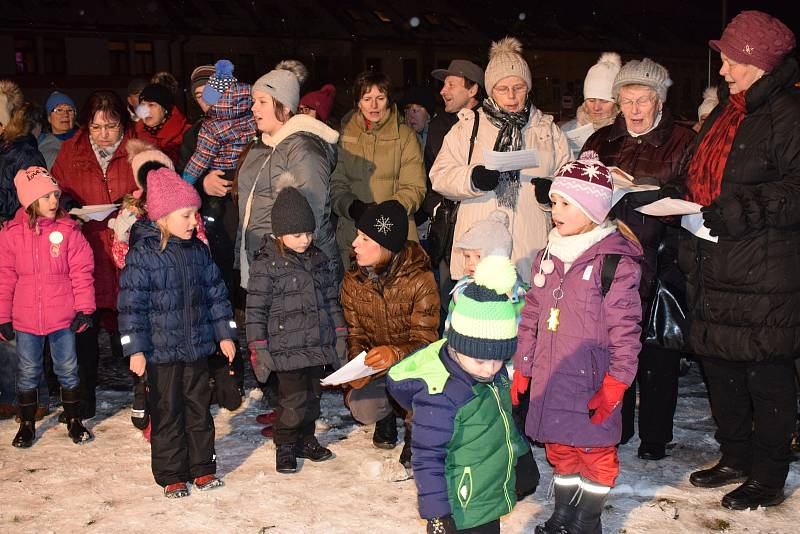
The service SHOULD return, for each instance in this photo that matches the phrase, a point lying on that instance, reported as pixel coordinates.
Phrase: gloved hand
(260, 360)
(442, 525)
(81, 323)
(341, 345)
(542, 189)
(122, 223)
(725, 217)
(140, 415)
(607, 398)
(381, 357)
(357, 209)
(670, 190)
(527, 475)
(485, 179)
(519, 386)
(6, 331)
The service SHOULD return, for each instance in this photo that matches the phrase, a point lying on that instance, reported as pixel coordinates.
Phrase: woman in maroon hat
(744, 168)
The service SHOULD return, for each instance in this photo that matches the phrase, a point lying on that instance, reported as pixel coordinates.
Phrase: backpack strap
(475, 123)
(608, 271)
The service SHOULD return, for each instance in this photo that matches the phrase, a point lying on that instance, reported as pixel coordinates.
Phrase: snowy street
(107, 485)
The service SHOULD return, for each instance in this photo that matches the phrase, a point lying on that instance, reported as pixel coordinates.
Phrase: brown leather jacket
(399, 308)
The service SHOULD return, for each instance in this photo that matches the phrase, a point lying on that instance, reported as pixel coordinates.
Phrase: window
(55, 57)
(119, 62)
(25, 55)
(409, 72)
(143, 58)
(375, 64)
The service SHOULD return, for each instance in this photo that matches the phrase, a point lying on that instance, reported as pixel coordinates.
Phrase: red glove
(606, 399)
(519, 385)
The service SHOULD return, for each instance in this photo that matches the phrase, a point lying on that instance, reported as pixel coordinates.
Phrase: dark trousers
(754, 406)
(492, 527)
(88, 349)
(445, 287)
(299, 393)
(182, 433)
(657, 380)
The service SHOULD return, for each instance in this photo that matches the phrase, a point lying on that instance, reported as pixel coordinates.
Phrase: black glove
(527, 475)
(223, 382)
(670, 190)
(81, 323)
(140, 415)
(542, 188)
(357, 209)
(442, 525)
(725, 217)
(485, 179)
(6, 331)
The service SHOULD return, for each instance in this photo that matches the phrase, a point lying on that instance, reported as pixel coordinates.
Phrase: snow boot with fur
(28, 401)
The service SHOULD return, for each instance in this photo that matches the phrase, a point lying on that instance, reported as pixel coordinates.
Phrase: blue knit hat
(57, 98)
(483, 323)
(219, 82)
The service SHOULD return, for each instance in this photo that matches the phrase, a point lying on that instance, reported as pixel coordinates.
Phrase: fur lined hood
(302, 123)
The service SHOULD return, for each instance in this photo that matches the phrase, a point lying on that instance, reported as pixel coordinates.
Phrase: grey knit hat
(489, 235)
(291, 213)
(283, 83)
(645, 72)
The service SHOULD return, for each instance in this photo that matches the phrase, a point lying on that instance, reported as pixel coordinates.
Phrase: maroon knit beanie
(755, 38)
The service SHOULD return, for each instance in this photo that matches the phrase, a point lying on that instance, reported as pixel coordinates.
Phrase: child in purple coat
(578, 343)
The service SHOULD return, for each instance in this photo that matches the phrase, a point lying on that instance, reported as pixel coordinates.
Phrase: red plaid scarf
(705, 170)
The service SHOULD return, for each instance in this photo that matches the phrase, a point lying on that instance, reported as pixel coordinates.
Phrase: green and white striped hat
(483, 323)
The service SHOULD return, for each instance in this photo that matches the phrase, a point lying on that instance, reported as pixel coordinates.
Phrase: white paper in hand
(577, 138)
(694, 223)
(510, 161)
(669, 206)
(354, 369)
(96, 212)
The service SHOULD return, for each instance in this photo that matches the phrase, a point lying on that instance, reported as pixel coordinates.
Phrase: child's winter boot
(28, 401)
(385, 435)
(310, 448)
(591, 501)
(565, 488)
(176, 491)
(405, 454)
(285, 459)
(207, 482)
(71, 399)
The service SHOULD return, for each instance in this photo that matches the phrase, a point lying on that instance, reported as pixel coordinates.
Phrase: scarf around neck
(104, 155)
(509, 138)
(569, 248)
(704, 180)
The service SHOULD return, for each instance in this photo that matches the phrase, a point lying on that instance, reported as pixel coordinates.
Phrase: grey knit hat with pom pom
(490, 236)
(283, 82)
(291, 212)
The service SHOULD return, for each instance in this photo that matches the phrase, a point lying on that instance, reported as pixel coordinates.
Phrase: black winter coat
(745, 292)
(173, 305)
(21, 153)
(293, 306)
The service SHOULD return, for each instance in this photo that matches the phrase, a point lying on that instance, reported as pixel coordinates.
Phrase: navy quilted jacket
(21, 153)
(173, 305)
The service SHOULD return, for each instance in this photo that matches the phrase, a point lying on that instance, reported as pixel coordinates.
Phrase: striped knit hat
(483, 323)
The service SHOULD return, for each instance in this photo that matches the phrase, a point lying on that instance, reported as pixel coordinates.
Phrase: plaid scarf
(704, 180)
(509, 139)
(104, 155)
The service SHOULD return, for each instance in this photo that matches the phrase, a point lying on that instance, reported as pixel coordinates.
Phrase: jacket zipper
(37, 277)
(184, 282)
(510, 467)
(549, 360)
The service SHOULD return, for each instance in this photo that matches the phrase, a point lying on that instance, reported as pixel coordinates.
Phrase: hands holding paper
(732, 216)
(376, 360)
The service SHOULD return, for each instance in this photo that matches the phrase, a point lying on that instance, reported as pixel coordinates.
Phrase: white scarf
(569, 248)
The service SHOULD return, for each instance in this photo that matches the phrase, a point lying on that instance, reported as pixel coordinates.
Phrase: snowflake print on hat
(586, 183)
(384, 225)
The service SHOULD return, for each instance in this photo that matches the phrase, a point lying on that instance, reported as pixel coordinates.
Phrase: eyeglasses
(305, 110)
(63, 111)
(641, 102)
(95, 128)
(517, 89)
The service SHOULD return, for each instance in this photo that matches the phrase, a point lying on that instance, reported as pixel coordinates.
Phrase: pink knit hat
(587, 184)
(168, 192)
(755, 38)
(34, 183)
(321, 101)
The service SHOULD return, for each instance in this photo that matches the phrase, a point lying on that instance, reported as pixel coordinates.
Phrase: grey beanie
(489, 235)
(283, 83)
(645, 72)
(291, 213)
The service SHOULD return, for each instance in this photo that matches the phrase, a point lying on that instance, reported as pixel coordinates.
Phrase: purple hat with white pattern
(586, 183)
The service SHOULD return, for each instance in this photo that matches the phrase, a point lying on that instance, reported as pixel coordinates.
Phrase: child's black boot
(71, 399)
(28, 401)
(565, 490)
(310, 448)
(285, 459)
(405, 454)
(385, 435)
(591, 502)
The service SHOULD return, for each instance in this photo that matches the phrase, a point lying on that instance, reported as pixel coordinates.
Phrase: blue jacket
(464, 443)
(173, 305)
(21, 153)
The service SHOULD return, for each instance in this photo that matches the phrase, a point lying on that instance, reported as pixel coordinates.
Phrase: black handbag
(668, 322)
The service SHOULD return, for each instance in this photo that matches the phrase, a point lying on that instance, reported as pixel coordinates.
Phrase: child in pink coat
(46, 291)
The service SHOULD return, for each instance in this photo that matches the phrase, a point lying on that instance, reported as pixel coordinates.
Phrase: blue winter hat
(219, 82)
(56, 99)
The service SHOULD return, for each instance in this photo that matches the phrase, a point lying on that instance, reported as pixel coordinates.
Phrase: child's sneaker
(176, 491)
(310, 448)
(207, 482)
(267, 419)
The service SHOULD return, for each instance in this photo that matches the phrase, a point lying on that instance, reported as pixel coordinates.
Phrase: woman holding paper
(507, 125)
(645, 142)
(744, 289)
(391, 305)
(92, 168)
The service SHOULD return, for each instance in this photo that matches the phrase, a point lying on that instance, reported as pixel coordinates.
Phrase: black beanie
(386, 224)
(291, 213)
(159, 94)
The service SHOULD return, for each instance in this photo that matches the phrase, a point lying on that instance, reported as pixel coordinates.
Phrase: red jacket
(45, 277)
(169, 138)
(80, 177)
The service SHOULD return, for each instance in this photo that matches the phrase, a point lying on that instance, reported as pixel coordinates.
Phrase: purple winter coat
(595, 335)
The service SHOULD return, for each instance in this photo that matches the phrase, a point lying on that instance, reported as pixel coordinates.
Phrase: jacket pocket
(464, 488)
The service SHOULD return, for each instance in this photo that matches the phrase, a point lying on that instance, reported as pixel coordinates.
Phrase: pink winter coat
(45, 278)
(596, 335)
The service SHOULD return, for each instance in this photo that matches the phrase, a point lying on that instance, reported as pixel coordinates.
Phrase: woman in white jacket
(507, 122)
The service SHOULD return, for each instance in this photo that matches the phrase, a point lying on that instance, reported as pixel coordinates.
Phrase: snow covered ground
(107, 486)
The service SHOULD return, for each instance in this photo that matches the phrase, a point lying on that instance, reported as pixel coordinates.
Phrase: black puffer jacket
(745, 291)
(293, 305)
(20, 153)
